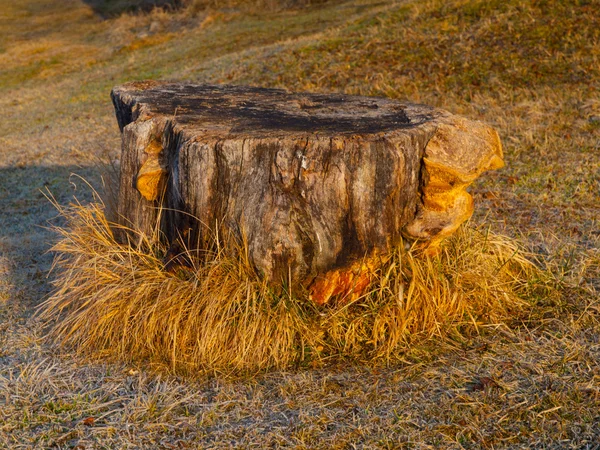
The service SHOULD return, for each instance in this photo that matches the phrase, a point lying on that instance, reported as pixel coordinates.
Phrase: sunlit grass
(117, 300)
(529, 68)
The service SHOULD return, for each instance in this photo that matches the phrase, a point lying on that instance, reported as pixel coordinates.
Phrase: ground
(529, 68)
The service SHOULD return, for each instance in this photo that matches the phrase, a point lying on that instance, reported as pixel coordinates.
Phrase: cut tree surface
(316, 185)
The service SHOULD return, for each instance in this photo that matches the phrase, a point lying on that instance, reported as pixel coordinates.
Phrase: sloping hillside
(530, 68)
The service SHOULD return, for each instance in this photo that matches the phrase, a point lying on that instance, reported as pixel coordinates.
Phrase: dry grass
(530, 68)
(114, 300)
(248, 6)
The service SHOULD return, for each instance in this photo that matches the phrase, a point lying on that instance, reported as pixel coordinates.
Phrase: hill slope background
(531, 69)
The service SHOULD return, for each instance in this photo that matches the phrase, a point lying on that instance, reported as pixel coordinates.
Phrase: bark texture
(315, 184)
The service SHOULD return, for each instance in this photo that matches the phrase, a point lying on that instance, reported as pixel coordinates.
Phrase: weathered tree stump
(315, 184)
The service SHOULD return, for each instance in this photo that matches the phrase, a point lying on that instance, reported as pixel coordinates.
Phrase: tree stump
(316, 185)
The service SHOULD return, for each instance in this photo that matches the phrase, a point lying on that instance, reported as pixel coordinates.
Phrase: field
(529, 68)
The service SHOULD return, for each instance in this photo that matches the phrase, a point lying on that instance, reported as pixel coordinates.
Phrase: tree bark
(315, 184)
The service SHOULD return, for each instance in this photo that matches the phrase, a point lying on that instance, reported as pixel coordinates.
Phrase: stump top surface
(222, 110)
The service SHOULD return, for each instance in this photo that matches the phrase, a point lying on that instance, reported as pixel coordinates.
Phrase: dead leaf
(481, 384)
(89, 422)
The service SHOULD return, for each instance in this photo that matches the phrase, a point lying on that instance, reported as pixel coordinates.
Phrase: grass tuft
(114, 300)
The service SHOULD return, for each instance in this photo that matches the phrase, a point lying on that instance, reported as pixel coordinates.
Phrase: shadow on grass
(26, 214)
(111, 8)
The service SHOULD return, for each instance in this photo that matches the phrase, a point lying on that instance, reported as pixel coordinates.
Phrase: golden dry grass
(116, 300)
(529, 68)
